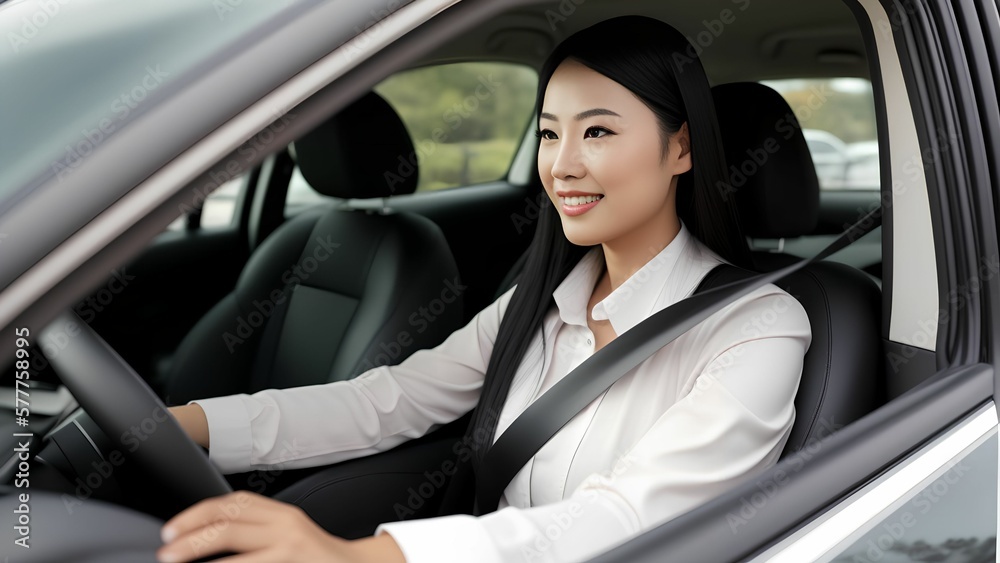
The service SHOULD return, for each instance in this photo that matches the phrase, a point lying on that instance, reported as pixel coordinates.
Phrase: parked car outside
(862, 166)
(829, 155)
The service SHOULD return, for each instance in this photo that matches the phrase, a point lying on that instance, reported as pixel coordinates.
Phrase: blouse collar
(632, 301)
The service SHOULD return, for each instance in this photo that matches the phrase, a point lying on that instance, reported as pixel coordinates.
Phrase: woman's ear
(683, 140)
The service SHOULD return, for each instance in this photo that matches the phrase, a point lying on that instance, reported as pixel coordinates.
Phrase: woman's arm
(192, 419)
(378, 410)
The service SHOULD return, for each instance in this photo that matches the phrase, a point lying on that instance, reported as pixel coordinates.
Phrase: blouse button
(589, 341)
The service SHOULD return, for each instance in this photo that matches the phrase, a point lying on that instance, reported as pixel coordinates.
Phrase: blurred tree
(466, 119)
(848, 114)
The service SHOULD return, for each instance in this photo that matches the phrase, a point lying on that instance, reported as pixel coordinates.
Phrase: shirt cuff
(457, 538)
(230, 440)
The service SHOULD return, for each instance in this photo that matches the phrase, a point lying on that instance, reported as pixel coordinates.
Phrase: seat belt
(560, 403)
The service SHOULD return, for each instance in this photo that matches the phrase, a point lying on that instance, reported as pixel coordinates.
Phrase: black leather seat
(771, 172)
(332, 292)
(777, 193)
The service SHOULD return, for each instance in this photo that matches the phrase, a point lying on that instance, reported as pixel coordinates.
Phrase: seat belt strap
(560, 403)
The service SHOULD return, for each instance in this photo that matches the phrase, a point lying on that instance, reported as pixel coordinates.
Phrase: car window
(218, 209)
(466, 121)
(79, 72)
(837, 116)
(945, 520)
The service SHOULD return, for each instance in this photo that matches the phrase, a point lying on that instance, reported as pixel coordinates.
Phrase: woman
(630, 157)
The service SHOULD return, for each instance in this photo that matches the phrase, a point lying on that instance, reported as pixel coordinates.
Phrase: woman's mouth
(577, 205)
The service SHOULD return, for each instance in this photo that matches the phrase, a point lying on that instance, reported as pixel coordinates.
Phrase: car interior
(257, 288)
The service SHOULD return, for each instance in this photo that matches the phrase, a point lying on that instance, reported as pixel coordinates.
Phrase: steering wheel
(129, 412)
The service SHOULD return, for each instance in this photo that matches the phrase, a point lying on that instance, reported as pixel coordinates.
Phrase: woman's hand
(261, 529)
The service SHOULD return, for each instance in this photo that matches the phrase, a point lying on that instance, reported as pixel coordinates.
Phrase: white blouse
(708, 410)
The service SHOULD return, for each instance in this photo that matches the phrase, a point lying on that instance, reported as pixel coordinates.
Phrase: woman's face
(598, 138)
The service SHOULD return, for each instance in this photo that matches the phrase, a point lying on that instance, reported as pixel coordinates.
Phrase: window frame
(526, 136)
(871, 504)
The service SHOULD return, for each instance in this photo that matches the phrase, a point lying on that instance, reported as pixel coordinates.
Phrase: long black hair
(657, 64)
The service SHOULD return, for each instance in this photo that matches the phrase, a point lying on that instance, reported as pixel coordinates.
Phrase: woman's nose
(569, 161)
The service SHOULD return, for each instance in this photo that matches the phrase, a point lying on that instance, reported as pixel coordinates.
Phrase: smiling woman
(629, 156)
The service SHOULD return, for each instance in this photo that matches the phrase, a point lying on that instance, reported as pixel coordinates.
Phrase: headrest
(364, 151)
(770, 170)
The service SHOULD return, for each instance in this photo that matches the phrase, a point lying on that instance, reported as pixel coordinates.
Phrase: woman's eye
(598, 129)
(544, 133)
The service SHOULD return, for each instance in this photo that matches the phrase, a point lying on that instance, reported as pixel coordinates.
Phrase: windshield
(76, 71)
